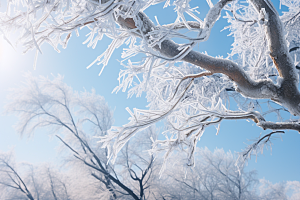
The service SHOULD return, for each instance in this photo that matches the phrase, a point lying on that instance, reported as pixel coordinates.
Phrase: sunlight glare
(11, 63)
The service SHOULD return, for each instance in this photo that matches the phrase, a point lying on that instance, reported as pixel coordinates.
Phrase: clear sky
(282, 165)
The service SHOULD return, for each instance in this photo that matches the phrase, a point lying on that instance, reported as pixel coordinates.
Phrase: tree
(25, 181)
(189, 89)
(214, 177)
(283, 190)
(11, 179)
(76, 118)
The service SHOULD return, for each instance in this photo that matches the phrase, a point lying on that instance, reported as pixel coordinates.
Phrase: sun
(8, 58)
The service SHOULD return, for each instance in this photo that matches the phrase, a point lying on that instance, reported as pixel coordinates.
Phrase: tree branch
(181, 25)
(168, 48)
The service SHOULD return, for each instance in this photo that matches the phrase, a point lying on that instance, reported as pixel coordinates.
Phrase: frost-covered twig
(255, 148)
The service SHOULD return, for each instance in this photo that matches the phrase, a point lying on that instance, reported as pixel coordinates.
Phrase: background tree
(76, 118)
(283, 190)
(139, 168)
(25, 181)
(205, 181)
(11, 179)
(214, 177)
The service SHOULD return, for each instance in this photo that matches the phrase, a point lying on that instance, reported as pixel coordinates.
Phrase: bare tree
(235, 183)
(214, 177)
(58, 185)
(11, 179)
(25, 181)
(284, 190)
(140, 169)
(79, 116)
(272, 191)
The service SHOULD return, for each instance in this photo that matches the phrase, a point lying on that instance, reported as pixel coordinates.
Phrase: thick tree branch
(181, 25)
(279, 125)
(286, 94)
(245, 84)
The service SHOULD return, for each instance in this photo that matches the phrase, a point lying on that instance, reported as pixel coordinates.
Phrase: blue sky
(283, 164)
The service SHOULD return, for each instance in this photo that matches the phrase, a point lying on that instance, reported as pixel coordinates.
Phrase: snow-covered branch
(190, 90)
